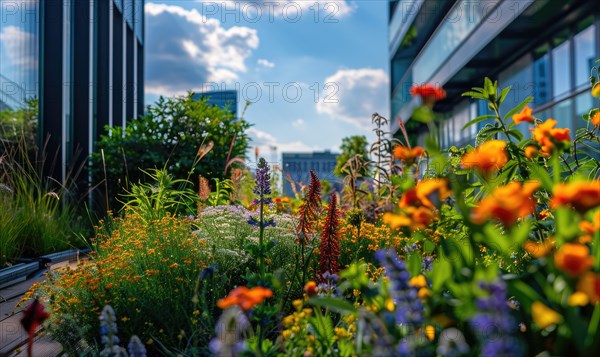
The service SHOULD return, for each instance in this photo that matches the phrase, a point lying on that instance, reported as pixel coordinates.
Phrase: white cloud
(185, 50)
(298, 123)
(266, 142)
(14, 40)
(353, 95)
(266, 63)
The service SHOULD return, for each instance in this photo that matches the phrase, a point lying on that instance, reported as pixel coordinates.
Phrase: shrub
(174, 134)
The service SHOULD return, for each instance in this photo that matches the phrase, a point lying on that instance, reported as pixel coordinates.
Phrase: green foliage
(20, 124)
(175, 134)
(161, 195)
(222, 193)
(352, 146)
(36, 216)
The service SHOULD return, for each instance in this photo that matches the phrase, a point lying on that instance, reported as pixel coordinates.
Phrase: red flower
(33, 317)
(330, 246)
(428, 90)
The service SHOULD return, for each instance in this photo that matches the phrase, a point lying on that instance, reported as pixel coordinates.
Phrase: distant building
(298, 165)
(84, 63)
(225, 99)
(542, 48)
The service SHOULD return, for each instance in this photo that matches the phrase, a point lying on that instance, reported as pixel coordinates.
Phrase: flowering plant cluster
(488, 250)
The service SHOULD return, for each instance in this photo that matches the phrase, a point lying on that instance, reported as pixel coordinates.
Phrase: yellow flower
(596, 90)
(418, 281)
(430, 332)
(286, 334)
(543, 316)
(578, 298)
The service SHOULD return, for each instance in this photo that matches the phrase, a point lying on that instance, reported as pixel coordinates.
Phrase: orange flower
(589, 284)
(428, 192)
(507, 203)
(523, 116)
(596, 119)
(428, 91)
(582, 196)
(413, 217)
(548, 136)
(539, 249)
(408, 155)
(531, 152)
(310, 288)
(573, 259)
(593, 226)
(245, 298)
(487, 157)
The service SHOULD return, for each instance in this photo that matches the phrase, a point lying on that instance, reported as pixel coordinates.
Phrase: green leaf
(474, 95)
(422, 114)
(518, 108)
(479, 119)
(414, 264)
(337, 305)
(442, 271)
(516, 134)
(503, 94)
(520, 233)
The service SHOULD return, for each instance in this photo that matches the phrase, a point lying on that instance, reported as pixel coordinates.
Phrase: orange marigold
(523, 116)
(582, 196)
(245, 298)
(428, 192)
(596, 119)
(507, 203)
(593, 226)
(539, 249)
(574, 259)
(310, 288)
(531, 152)
(548, 136)
(488, 157)
(408, 155)
(428, 91)
(589, 284)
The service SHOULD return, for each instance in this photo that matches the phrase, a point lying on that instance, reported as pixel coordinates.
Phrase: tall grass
(36, 216)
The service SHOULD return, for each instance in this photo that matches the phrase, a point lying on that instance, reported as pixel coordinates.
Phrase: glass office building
(224, 99)
(296, 166)
(542, 48)
(82, 61)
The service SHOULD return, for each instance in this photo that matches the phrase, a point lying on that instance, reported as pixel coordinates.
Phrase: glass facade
(61, 52)
(19, 48)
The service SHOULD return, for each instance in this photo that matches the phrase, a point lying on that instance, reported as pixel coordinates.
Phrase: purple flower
(136, 347)
(494, 325)
(408, 307)
(262, 187)
(427, 263)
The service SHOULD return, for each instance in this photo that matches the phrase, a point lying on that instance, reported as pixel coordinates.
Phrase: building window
(563, 114)
(561, 65)
(584, 53)
(541, 76)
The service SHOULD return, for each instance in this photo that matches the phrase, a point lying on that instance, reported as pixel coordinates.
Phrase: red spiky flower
(330, 246)
(310, 208)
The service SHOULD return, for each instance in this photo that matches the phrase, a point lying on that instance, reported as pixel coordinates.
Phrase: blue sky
(314, 70)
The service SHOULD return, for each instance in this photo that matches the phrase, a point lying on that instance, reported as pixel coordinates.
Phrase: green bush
(174, 134)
